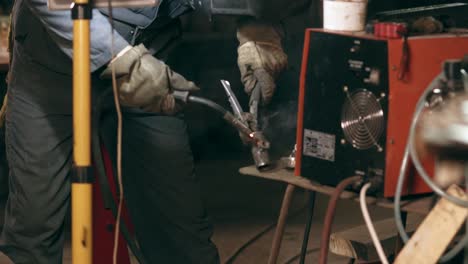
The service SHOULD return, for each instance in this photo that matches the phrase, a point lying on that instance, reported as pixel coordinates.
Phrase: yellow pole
(82, 178)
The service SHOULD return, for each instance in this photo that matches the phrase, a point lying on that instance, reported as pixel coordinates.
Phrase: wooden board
(280, 174)
(284, 175)
(436, 232)
(356, 242)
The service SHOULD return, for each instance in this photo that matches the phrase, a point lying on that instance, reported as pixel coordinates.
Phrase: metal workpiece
(260, 152)
(290, 161)
(260, 149)
(261, 158)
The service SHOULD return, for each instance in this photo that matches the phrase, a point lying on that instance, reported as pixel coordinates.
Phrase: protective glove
(260, 58)
(145, 82)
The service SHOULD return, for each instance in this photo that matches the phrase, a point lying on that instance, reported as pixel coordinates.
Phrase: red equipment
(357, 96)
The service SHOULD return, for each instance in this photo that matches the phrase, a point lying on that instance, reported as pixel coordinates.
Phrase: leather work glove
(145, 82)
(260, 58)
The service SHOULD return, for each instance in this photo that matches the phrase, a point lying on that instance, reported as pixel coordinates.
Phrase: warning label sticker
(319, 145)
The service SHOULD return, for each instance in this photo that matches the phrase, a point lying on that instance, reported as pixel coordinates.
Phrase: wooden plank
(418, 205)
(356, 242)
(436, 232)
(281, 174)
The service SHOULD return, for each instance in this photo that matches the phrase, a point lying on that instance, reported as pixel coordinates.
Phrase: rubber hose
(330, 214)
(206, 102)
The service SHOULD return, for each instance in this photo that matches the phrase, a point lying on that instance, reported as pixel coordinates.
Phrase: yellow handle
(81, 93)
(82, 188)
(82, 232)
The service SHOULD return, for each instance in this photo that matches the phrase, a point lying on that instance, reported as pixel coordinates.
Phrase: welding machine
(357, 96)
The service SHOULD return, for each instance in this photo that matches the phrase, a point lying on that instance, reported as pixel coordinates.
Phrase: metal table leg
(277, 239)
(310, 216)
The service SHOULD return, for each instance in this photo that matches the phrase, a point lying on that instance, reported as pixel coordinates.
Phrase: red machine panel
(357, 97)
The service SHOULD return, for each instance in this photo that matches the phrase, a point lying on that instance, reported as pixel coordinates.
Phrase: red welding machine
(357, 96)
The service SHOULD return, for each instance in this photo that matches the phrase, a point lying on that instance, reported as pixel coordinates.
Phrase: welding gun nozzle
(229, 117)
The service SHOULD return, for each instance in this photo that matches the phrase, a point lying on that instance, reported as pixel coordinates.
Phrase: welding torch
(259, 150)
(247, 127)
(186, 97)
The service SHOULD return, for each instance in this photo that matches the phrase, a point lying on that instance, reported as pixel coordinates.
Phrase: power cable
(370, 225)
(410, 150)
(295, 257)
(330, 214)
(119, 139)
(257, 236)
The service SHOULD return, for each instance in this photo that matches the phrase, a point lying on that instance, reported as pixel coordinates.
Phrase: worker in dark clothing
(161, 190)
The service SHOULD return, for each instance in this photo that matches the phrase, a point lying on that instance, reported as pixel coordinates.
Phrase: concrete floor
(242, 206)
(251, 204)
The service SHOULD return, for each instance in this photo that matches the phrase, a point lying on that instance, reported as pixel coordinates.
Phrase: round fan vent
(362, 119)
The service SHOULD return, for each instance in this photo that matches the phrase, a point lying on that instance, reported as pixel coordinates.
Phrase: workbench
(420, 205)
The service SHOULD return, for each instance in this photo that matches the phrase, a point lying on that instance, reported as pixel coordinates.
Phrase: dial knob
(373, 77)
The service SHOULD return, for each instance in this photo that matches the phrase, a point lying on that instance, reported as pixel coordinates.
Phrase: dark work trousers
(161, 189)
(3, 163)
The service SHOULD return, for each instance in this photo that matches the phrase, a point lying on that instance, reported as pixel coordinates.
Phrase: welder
(161, 189)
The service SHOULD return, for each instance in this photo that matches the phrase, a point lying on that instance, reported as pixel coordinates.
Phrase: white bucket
(345, 15)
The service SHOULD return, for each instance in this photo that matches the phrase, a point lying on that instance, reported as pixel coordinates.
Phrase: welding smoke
(279, 126)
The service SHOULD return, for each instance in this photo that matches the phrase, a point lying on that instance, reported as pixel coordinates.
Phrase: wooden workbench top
(419, 205)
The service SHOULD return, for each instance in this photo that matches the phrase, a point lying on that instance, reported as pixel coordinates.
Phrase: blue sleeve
(60, 26)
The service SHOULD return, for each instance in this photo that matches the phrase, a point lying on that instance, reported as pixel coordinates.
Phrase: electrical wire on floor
(370, 225)
(298, 256)
(257, 236)
(119, 140)
(328, 222)
(410, 151)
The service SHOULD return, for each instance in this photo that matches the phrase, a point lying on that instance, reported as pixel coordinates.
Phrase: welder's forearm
(60, 26)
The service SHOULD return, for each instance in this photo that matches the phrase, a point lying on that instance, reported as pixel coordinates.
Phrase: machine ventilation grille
(362, 119)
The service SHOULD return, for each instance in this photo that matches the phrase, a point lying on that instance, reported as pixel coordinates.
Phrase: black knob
(355, 49)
